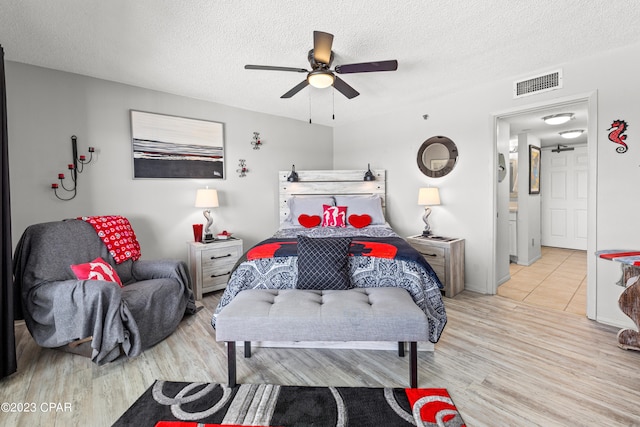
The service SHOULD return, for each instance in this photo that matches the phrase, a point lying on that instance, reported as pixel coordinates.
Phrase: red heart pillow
(359, 221)
(309, 221)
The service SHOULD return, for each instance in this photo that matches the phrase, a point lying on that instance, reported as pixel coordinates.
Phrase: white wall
(467, 194)
(503, 231)
(529, 210)
(46, 107)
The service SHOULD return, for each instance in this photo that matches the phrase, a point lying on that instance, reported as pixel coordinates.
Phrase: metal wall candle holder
(242, 171)
(74, 169)
(256, 142)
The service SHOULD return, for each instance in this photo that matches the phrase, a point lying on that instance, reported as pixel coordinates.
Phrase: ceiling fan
(321, 76)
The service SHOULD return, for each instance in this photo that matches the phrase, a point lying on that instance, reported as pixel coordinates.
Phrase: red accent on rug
(438, 401)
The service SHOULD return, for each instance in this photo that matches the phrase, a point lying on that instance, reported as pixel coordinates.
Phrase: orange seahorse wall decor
(616, 131)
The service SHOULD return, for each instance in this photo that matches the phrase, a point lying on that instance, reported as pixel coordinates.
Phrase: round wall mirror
(437, 156)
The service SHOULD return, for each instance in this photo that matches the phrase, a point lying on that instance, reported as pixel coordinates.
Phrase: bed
(337, 208)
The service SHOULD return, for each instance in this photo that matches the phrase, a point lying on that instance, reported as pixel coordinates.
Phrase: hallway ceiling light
(570, 134)
(558, 119)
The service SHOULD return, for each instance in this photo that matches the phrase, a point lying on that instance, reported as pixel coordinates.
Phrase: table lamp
(427, 197)
(207, 198)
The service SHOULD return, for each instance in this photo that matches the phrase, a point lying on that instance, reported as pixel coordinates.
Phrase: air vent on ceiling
(537, 84)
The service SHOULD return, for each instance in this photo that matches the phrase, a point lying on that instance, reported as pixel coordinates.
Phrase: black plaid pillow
(323, 263)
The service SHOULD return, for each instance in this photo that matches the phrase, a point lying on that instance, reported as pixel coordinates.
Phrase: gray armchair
(60, 310)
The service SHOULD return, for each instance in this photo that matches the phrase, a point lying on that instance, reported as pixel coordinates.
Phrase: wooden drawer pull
(432, 255)
(220, 275)
(223, 256)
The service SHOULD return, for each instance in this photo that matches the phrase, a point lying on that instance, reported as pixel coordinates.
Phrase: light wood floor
(557, 280)
(504, 362)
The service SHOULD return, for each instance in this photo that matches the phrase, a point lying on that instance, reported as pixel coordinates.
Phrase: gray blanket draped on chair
(60, 309)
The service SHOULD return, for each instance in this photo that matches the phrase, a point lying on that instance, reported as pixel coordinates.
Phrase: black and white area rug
(181, 404)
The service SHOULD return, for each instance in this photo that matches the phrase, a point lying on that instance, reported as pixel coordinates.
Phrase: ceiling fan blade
(269, 67)
(322, 47)
(342, 87)
(367, 67)
(296, 89)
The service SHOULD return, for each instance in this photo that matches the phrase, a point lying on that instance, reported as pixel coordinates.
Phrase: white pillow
(359, 205)
(308, 205)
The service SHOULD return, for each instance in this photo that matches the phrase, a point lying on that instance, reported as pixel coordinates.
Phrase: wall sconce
(256, 141)
(207, 198)
(74, 169)
(242, 171)
(293, 176)
(368, 175)
(429, 196)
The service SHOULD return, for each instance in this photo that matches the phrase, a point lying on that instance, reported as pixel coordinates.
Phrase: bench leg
(401, 348)
(231, 362)
(413, 362)
(247, 349)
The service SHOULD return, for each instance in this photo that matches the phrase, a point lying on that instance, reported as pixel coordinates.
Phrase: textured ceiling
(198, 48)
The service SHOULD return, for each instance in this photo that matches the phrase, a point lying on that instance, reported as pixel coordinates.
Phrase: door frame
(591, 98)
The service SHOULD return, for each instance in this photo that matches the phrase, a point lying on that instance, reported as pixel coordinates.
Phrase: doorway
(526, 126)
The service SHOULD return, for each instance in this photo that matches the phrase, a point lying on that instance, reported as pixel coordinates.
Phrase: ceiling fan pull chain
(333, 104)
(309, 92)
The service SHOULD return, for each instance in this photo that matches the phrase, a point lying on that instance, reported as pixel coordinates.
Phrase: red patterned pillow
(360, 221)
(98, 269)
(334, 216)
(309, 221)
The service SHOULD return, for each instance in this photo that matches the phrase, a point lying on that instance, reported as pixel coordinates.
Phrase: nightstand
(210, 264)
(446, 257)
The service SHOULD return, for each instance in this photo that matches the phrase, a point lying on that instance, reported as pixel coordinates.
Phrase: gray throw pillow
(363, 205)
(323, 263)
(307, 205)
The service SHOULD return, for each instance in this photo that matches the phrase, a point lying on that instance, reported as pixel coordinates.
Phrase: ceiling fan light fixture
(570, 134)
(558, 119)
(320, 78)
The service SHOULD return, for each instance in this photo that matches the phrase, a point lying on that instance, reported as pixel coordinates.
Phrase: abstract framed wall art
(176, 147)
(534, 169)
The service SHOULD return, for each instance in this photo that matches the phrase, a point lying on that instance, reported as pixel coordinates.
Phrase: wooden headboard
(330, 183)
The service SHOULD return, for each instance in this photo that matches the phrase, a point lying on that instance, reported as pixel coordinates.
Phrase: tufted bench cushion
(360, 314)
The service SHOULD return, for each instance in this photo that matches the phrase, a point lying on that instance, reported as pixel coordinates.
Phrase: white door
(563, 189)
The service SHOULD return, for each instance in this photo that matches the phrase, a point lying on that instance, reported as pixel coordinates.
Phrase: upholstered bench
(361, 314)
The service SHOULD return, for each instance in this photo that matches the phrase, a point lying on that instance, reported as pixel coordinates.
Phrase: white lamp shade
(207, 198)
(429, 196)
